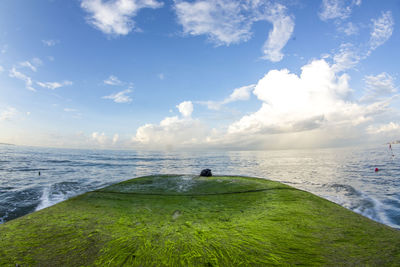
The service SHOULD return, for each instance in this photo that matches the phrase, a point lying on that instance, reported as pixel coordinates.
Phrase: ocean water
(345, 176)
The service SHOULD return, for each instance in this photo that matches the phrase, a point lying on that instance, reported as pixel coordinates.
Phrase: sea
(345, 176)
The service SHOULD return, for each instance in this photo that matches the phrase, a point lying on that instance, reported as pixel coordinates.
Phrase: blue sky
(152, 74)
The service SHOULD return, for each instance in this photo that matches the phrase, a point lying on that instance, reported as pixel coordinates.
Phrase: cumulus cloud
(115, 139)
(115, 17)
(229, 22)
(171, 133)
(382, 30)
(113, 80)
(337, 9)
(54, 85)
(185, 108)
(8, 114)
(100, 138)
(19, 75)
(120, 97)
(311, 107)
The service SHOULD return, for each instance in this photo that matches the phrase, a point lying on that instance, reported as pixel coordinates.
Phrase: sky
(199, 75)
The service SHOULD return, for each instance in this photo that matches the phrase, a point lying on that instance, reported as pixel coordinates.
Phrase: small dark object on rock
(206, 172)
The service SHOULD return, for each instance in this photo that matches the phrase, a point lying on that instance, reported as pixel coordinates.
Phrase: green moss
(184, 221)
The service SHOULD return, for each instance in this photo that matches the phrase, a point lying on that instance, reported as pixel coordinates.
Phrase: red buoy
(376, 169)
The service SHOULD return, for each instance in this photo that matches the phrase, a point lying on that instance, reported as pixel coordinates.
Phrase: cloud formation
(113, 80)
(8, 114)
(100, 138)
(378, 86)
(391, 127)
(228, 22)
(185, 108)
(349, 54)
(172, 132)
(283, 26)
(239, 94)
(120, 97)
(14, 73)
(337, 9)
(382, 30)
(115, 17)
(54, 85)
(312, 109)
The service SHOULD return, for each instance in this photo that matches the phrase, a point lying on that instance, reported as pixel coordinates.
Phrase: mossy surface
(197, 221)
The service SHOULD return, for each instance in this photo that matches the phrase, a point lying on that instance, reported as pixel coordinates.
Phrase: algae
(197, 221)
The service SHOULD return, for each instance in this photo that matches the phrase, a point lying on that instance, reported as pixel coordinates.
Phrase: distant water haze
(346, 176)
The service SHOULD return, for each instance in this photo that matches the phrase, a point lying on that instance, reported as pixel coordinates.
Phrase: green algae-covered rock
(197, 221)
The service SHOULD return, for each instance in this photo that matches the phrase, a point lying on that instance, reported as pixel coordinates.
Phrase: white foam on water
(50, 198)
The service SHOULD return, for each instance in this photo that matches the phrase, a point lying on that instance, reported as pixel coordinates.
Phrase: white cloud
(50, 42)
(382, 30)
(314, 102)
(113, 80)
(18, 75)
(161, 76)
(337, 9)
(32, 65)
(8, 114)
(100, 138)
(239, 94)
(185, 108)
(221, 20)
(347, 57)
(29, 65)
(54, 85)
(390, 127)
(350, 55)
(171, 133)
(115, 17)
(115, 139)
(378, 86)
(1, 69)
(228, 22)
(283, 27)
(120, 97)
(349, 29)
